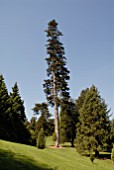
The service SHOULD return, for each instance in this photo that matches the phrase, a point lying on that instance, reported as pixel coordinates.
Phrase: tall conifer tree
(19, 117)
(5, 110)
(17, 103)
(94, 127)
(56, 86)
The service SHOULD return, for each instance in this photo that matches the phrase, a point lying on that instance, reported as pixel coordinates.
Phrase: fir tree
(56, 86)
(17, 103)
(19, 117)
(94, 127)
(5, 111)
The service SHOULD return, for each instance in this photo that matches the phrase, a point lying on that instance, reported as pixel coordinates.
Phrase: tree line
(12, 114)
(84, 122)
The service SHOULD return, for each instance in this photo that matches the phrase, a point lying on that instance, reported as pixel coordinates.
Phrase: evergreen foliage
(17, 103)
(81, 99)
(19, 118)
(42, 109)
(5, 114)
(56, 86)
(68, 120)
(41, 139)
(94, 126)
(12, 115)
(50, 127)
(32, 129)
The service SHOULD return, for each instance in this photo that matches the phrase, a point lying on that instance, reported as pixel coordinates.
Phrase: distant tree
(68, 120)
(32, 123)
(32, 129)
(94, 127)
(41, 139)
(42, 109)
(56, 87)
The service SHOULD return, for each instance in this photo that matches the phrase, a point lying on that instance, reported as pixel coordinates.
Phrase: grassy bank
(23, 157)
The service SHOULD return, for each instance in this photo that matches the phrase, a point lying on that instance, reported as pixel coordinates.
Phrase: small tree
(41, 139)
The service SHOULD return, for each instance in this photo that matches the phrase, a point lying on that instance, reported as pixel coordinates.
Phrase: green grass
(23, 157)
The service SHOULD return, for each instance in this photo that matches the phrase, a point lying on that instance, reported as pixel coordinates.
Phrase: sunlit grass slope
(22, 157)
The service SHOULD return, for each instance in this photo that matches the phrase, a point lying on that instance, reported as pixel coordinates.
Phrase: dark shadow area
(10, 161)
(67, 146)
(105, 156)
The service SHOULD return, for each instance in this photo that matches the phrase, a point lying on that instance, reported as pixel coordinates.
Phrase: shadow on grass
(10, 160)
(105, 156)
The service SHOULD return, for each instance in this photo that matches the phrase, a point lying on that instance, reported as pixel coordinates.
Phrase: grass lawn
(15, 156)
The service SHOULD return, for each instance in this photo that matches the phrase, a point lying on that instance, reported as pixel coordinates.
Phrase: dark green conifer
(17, 103)
(94, 127)
(19, 117)
(5, 111)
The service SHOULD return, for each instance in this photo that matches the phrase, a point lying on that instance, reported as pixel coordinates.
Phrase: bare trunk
(56, 114)
(56, 124)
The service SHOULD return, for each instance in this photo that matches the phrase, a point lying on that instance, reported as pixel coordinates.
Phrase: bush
(41, 140)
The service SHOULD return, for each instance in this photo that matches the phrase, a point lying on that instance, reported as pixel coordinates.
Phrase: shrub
(41, 140)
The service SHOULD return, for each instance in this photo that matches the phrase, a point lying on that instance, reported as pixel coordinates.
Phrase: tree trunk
(56, 125)
(56, 114)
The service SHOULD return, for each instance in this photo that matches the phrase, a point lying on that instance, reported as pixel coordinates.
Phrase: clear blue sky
(88, 29)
